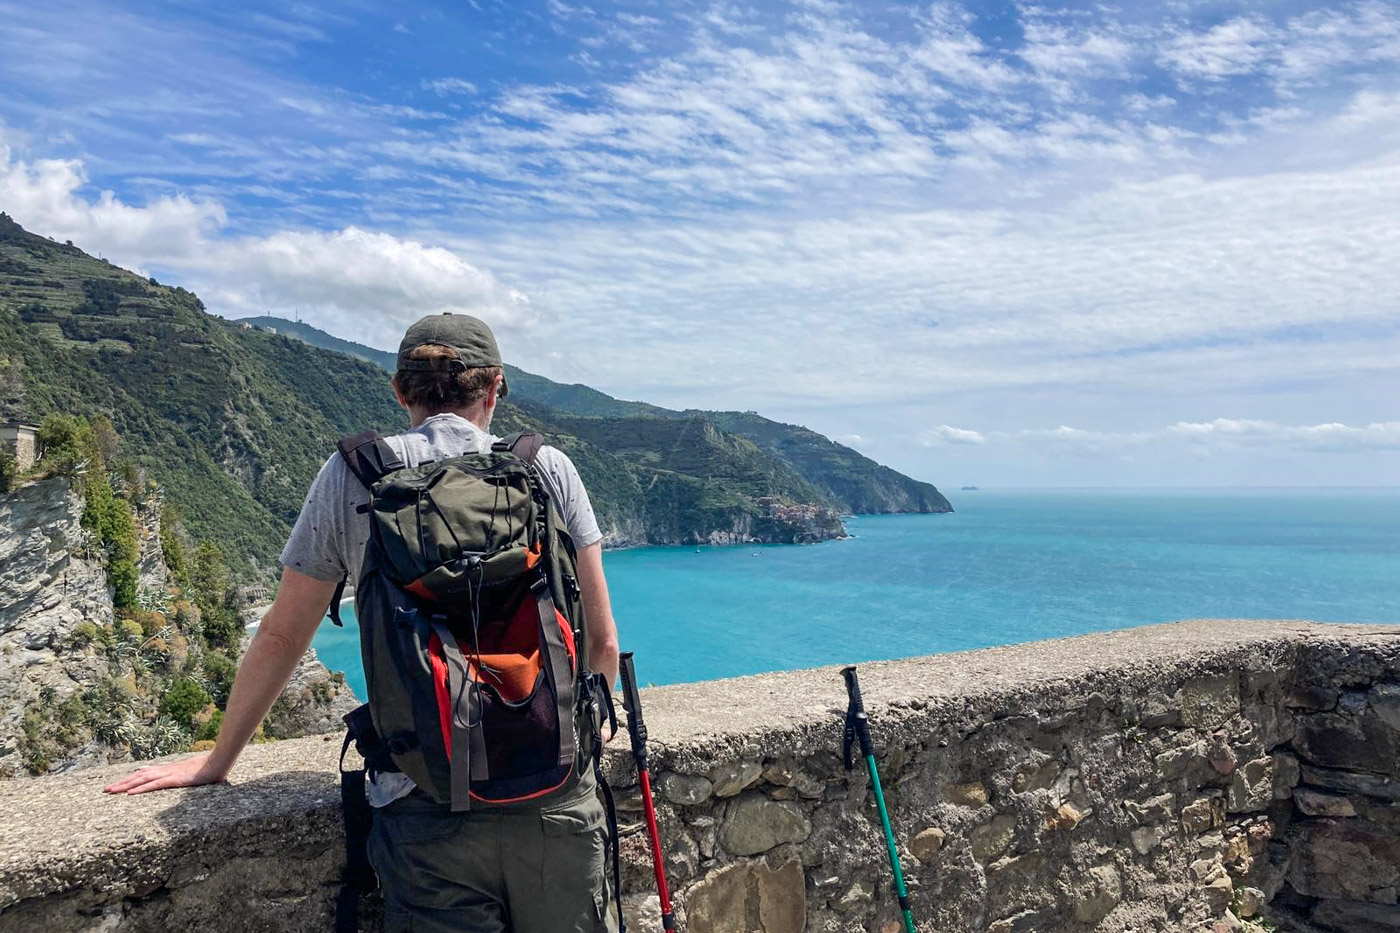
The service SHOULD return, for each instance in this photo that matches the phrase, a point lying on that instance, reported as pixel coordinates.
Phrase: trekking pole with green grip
(858, 727)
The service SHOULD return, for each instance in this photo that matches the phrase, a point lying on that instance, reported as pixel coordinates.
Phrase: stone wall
(1196, 776)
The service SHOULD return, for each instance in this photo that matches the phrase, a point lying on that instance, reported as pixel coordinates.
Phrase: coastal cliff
(85, 682)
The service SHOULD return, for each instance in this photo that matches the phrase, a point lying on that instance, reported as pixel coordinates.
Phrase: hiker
(501, 852)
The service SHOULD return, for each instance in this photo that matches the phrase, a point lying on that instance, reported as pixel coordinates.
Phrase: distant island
(970, 489)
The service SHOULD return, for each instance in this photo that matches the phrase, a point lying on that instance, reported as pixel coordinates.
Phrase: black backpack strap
(523, 444)
(335, 602)
(358, 876)
(600, 696)
(369, 457)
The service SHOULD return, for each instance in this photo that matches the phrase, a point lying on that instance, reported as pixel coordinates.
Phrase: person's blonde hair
(446, 389)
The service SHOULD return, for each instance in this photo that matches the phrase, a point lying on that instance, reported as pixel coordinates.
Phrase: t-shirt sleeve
(317, 543)
(570, 496)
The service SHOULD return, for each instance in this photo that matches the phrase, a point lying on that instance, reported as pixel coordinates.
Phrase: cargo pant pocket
(574, 867)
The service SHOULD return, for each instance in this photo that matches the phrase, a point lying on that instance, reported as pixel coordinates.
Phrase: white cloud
(1221, 433)
(947, 434)
(1234, 47)
(367, 285)
(447, 86)
(1332, 437)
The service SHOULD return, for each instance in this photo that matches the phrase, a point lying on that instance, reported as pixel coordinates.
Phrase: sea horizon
(1009, 566)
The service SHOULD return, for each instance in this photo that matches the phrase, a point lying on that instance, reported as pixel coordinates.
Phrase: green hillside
(234, 421)
(831, 472)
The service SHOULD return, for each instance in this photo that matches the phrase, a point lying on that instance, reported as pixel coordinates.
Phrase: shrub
(208, 731)
(9, 467)
(150, 621)
(182, 701)
(131, 630)
(209, 578)
(66, 441)
(223, 629)
(83, 634)
(219, 670)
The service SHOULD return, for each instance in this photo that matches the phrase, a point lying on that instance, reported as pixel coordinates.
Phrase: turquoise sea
(1008, 566)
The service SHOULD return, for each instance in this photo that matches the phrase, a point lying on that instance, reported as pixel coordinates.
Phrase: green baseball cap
(469, 336)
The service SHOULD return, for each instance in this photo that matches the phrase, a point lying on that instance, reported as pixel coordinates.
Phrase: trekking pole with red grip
(636, 728)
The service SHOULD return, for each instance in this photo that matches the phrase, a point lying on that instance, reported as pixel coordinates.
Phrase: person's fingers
(136, 777)
(158, 782)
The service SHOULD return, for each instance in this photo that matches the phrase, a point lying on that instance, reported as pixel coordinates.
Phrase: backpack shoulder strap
(369, 457)
(523, 444)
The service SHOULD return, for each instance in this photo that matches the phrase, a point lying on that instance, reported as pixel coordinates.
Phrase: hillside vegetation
(234, 421)
(834, 474)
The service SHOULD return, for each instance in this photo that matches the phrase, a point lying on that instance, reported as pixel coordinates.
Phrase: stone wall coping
(61, 833)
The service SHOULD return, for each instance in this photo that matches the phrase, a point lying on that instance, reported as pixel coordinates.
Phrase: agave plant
(162, 737)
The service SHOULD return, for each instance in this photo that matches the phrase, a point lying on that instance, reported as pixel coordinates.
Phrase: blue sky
(1002, 243)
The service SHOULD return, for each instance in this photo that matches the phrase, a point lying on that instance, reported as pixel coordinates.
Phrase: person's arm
(602, 630)
(281, 639)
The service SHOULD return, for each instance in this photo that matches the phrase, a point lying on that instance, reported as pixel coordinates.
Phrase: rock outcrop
(81, 684)
(51, 580)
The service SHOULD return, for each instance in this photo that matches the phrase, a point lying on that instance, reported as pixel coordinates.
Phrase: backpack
(472, 634)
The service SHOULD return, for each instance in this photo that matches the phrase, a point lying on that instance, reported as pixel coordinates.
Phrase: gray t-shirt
(328, 540)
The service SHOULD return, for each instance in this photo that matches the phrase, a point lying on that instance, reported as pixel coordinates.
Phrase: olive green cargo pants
(538, 870)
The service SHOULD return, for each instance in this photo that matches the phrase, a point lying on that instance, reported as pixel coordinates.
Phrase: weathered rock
(973, 794)
(1202, 814)
(1315, 803)
(1385, 700)
(1351, 782)
(686, 790)
(1219, 893)
(1147, 838)
(1097, 895)
(992, 839)
(1346, 860)
(782, 898)
(1206, 702)
(926, 843)
(1247, 902)
(1357, 917)
(756, 824)
(682, 856)
(1172, 763)
(47, 587)
(1252, 787)
(642, 913)
(1065, 818)
(1312, 697)
(857, 895)
(1158, 809)
(1338, 741)
(1041, 777)
(730, 778)
(1286, 775)
(719, 902)
(1219, 753)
